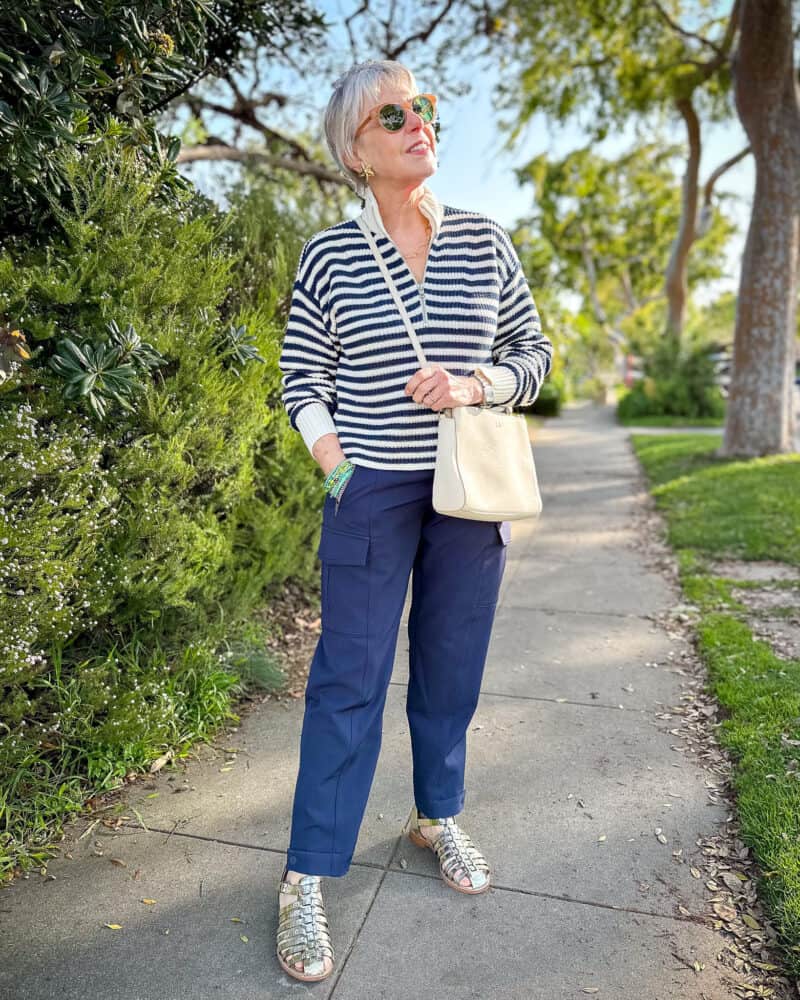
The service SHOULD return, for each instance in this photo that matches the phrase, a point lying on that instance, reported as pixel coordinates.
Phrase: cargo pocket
(345, 581)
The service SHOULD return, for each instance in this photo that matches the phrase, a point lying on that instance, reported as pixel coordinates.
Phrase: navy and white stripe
(346, 346)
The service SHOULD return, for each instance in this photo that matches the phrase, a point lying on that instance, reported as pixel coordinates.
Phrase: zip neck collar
(429, 205)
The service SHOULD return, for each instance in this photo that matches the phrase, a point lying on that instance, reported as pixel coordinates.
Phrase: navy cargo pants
(386, 527)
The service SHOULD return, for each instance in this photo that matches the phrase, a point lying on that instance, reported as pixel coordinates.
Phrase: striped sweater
(347, 357)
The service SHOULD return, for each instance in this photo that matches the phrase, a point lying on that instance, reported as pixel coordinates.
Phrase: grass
(87, 730)
(717, 508)
(670, 421)
(748, 510)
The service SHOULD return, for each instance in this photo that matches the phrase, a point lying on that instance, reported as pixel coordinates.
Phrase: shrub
(551, 394)
(548, 402)
(595, 389)
(136, 540)
(676, 383)
(72, 74)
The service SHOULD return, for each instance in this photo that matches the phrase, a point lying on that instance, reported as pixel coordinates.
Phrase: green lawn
(716, 508)
(670, 421)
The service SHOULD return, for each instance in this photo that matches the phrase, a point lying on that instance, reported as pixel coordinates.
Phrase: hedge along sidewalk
(745, 510)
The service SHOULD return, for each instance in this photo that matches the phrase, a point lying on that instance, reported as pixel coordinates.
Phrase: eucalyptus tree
(761, 417)
(606, 62)
(607, 226)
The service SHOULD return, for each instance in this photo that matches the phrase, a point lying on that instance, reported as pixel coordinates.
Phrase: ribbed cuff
(313, 421)
(503, 380)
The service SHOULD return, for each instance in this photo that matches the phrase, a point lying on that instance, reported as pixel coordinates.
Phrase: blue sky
(473, 174)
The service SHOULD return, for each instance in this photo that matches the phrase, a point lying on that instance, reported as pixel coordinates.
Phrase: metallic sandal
(303, 934)
(458, 856)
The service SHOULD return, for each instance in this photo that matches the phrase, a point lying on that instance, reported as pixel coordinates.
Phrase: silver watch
(488, 389)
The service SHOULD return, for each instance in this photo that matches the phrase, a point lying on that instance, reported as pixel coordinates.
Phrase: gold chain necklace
(412, 254)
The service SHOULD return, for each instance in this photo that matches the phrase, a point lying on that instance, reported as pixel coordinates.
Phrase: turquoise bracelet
(337, 478)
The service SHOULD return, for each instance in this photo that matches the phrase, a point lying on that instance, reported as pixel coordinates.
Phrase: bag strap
(362, 225)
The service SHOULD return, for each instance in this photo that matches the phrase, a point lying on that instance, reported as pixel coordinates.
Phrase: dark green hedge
(153, 494)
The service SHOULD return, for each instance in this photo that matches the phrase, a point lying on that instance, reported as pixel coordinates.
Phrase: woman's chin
(422, 171)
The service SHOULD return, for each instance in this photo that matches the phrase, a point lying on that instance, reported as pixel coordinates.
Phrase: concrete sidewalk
(569, 773)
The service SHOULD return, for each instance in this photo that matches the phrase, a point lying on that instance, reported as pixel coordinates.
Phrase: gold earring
(366, 171)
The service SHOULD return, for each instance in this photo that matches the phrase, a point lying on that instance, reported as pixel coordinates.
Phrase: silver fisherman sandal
(303, 932)
(458, 856)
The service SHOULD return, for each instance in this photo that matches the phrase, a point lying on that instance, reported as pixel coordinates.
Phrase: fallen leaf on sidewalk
(148, 901)
(725, 912)
(114, 927)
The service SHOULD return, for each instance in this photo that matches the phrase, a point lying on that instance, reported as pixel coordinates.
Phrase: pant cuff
(436, 808)
(317, 862)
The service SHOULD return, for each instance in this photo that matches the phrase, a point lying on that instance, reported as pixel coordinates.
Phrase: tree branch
(243, 111)
(363, 9)
(708, 187)
(221, 152)
(421, 36)
(682, 31)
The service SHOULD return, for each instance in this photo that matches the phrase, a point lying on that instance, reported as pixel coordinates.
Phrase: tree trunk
(676, 283)
(760, 418)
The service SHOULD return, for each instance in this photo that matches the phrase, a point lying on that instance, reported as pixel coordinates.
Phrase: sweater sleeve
(309, 356)
(521, 353)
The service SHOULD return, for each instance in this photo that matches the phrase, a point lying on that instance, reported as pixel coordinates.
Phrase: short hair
(353, 92)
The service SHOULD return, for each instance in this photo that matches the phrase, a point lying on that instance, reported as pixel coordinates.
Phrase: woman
(353, 388)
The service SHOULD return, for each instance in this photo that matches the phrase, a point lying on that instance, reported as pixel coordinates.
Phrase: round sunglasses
(392, 117)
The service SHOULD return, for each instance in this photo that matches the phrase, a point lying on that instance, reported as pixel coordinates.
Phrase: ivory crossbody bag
(484, 462)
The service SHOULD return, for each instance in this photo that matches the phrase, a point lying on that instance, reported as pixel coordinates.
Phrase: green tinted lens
(392, 117)
(423, 107)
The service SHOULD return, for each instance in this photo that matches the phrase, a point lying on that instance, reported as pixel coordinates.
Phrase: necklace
(419, 250)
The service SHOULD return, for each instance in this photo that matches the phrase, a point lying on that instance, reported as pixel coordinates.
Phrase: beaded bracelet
(337, 479)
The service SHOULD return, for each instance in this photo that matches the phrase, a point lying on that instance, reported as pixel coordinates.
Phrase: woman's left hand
(437, 388)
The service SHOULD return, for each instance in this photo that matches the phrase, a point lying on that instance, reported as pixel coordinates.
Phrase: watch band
(488, 388)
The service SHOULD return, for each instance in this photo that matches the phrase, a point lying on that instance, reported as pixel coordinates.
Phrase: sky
(474, 174)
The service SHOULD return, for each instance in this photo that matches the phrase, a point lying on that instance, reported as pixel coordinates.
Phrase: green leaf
(74, 351)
